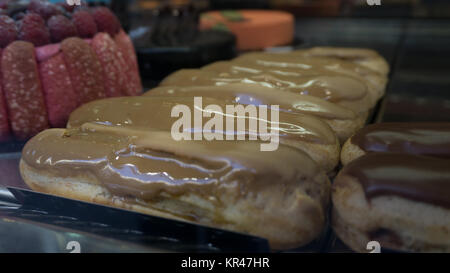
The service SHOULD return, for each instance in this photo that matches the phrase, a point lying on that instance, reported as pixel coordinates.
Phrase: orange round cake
(254, 29)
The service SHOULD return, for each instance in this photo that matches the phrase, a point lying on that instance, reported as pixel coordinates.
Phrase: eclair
(342, 90)
(343, 121)
(280, 195)
(421, 138)
(312, 65)
(303, 132)
(401, 201)
(363, 56)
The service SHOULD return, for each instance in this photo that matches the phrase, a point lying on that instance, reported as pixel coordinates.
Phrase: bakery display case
(224, 126)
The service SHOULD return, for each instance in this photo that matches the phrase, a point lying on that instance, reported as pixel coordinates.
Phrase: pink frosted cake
(53, 58)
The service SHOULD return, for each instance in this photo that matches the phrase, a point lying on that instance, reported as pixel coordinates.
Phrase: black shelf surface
(58, 217)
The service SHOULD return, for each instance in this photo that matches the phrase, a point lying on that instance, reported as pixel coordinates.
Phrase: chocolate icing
(413, 138)
(420, 178)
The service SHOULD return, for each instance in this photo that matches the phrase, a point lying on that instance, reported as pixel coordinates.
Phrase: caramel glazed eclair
(422, 138)
(342, 90)
(300, 62)
(343, 121)
(402, 201)
(366, 57)
(304, 132)
(351, 78)
(280, 195)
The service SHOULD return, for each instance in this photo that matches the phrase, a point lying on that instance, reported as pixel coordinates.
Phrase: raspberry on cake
(33, 30)
(60, 28)
(8, 30)
(106, 20)
(84, 23)
(43, 8)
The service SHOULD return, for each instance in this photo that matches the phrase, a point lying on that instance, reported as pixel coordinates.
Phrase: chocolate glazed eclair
(280, 195)
(421, 138)
(343, 121)
(400, 200)
(302, 132)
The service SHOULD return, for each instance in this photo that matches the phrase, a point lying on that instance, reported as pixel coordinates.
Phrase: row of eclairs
(114, 146)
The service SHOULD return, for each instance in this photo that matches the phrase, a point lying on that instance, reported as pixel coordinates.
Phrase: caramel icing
(155, 113)
(419, 178)
(143, 164)
(426, 138)
(339, 52)
(329, 86)
(376, 82)
(259, 95)
(362, 56)
(304, 64)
